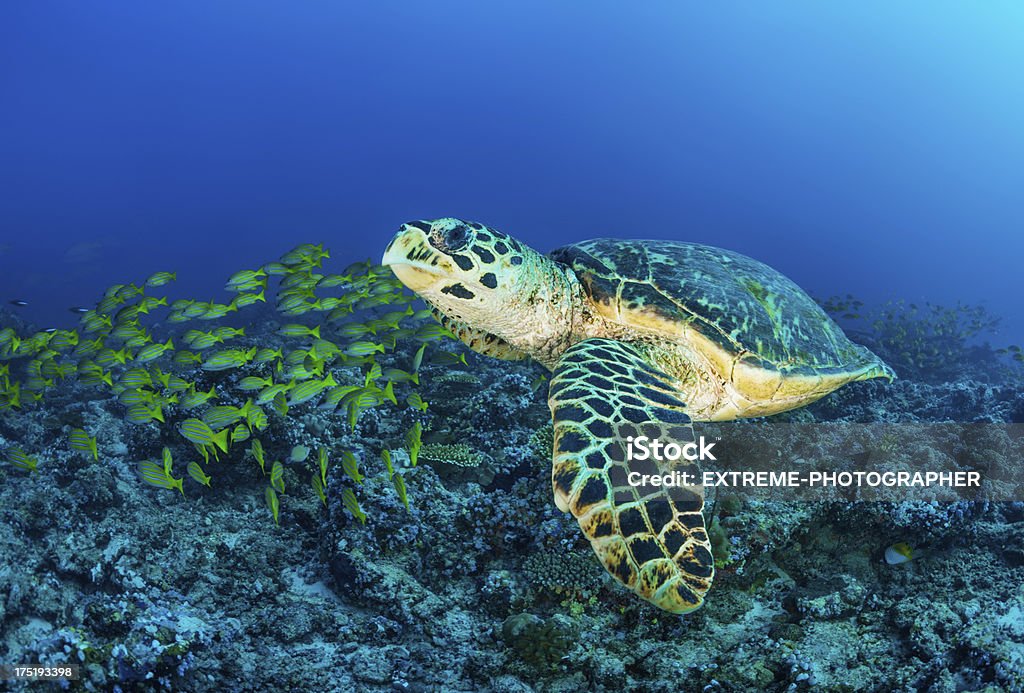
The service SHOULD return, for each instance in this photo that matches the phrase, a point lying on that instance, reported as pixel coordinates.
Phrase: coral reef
(480, 583)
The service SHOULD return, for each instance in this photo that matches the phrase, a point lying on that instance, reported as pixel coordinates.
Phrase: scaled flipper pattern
(651, 539)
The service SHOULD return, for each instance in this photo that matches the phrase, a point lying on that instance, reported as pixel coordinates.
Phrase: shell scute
(744, 308)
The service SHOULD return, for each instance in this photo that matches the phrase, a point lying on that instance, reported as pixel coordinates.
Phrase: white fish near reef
(899, 553)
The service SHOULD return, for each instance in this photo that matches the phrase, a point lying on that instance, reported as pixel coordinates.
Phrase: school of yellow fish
(114, 351)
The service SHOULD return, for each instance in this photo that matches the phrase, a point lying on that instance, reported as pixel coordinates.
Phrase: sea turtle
(642, 337)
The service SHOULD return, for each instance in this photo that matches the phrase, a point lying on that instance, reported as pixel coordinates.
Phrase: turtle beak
(413, 260)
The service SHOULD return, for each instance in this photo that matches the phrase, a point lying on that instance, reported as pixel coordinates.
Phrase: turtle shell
(743, 308)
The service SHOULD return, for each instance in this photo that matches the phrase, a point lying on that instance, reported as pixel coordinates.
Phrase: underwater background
(312, 487)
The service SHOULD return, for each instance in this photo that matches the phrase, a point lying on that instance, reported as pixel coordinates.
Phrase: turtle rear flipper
(650, 538)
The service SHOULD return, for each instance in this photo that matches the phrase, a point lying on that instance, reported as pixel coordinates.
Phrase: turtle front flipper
(650, 538)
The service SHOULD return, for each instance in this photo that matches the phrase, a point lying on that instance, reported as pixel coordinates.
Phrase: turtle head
(463, 268)
(479, 277)
(449, 256)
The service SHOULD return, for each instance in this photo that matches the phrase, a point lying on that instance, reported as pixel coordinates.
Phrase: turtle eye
(450, 240)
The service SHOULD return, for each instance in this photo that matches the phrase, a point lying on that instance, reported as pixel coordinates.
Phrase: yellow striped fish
(273, 503)
(142, 414)
(155, 474)
(295, 330)
(240, 434)
(193, 399)
(222, 416)
(305, 391)
(229, 358)
(199, 433)
(350, 465)
(20, 459)
(197, 473)
(151, 352)
(256, 449)
(243, 300)
(160, 278)
(81, 441)
(277, 476)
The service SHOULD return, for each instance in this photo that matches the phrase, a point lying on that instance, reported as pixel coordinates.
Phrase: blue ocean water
(323, 492)
(868, 148)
